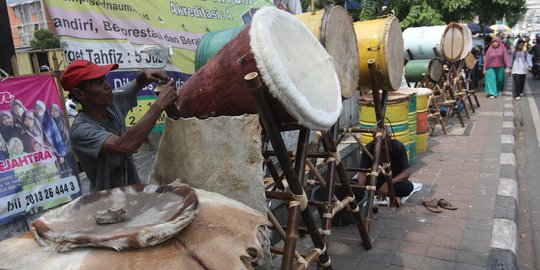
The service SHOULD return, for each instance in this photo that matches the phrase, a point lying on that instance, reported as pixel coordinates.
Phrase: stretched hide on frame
(218, 154)
(153, 214)
(225, 235)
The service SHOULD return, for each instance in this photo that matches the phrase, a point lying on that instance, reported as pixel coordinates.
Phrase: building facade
(25, 17)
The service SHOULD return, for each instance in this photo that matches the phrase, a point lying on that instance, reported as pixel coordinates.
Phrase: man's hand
(167, 95)
(383, 191)
(146, 76)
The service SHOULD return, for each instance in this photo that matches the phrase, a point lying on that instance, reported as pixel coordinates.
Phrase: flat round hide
(153, 214)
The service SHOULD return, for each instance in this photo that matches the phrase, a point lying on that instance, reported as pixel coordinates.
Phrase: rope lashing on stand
(301, 200)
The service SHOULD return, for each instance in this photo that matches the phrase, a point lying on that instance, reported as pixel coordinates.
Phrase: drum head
(453, 42)
(152, 213)
(470, 61)
(339, 39)
(394, 53)
(296, 68)
(435, 69)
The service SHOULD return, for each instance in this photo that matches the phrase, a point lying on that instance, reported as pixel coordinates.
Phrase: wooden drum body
(334, 28)
(421, 41)
(285, 57)
(418, 70)
(381, 40)
(452, 41)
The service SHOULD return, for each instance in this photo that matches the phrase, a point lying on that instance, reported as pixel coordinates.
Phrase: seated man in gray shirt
(98, 135)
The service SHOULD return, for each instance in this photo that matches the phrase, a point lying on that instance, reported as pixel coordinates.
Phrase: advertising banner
(38, 170)
(143, 34)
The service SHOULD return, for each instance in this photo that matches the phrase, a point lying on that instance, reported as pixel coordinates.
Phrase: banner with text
(144, 34)
(38, 170)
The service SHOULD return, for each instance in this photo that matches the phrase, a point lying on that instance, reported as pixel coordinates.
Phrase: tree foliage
(413, 13)
(44, 39)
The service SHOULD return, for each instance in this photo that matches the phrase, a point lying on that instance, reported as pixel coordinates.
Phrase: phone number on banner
(38, 196)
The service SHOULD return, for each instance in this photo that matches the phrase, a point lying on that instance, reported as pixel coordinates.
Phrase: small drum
(212, 42)
(397, 112)
(285, 57)
(381, 40)
(470, 61)
(418, 70)
(452, 41)
(334, 28)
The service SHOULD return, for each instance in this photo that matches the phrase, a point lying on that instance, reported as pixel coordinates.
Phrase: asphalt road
(528, 158)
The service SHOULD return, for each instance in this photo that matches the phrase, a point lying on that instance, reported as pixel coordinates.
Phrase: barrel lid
(423, 91)
(407, 90)
(393, 97)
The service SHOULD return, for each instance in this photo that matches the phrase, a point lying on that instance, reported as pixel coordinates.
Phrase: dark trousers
(519, 84)
(401, 189)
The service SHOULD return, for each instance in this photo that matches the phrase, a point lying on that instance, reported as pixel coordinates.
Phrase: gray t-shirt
(87, 134)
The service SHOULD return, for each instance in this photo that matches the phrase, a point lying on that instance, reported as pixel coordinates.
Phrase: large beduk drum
(381, 40)
(334, 28)
(299, 73)
(452, 41)
(418, 70)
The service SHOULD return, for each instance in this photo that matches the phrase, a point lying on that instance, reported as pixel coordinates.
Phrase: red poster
(38, 170)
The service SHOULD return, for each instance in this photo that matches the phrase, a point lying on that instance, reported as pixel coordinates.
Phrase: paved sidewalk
(464, 169)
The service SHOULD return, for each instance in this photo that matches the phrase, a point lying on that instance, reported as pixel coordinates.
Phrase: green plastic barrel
(212, 42)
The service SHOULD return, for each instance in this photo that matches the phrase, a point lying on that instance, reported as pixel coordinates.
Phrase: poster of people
(38, 170)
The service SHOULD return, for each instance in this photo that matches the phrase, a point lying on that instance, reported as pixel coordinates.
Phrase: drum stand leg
(336, 165)
(380, 111)
(300, 204)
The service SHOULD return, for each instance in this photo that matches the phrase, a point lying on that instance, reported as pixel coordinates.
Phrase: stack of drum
(411, 92)
(422, 96)
(397, 115)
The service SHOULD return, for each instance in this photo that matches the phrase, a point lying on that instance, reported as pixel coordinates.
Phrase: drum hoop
(382, 56)
(324, 21)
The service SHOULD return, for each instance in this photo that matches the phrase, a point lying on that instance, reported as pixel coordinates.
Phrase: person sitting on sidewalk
(399, 164)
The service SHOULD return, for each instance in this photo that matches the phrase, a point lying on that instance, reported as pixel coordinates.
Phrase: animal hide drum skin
(153, 215)
(218, 154)
(225, 235)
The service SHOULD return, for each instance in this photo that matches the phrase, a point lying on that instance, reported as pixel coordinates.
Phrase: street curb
(504, 233)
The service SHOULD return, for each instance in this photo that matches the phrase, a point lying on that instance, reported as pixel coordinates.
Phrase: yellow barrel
(382, 41)
(397, 110)
(422, 95)
(411, 92)
(421, 142)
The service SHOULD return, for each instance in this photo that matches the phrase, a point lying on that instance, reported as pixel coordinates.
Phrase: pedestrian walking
(496, 61)
(520, 64)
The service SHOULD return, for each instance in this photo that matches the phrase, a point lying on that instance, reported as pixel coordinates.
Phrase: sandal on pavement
(446, 205)
(432, 205)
